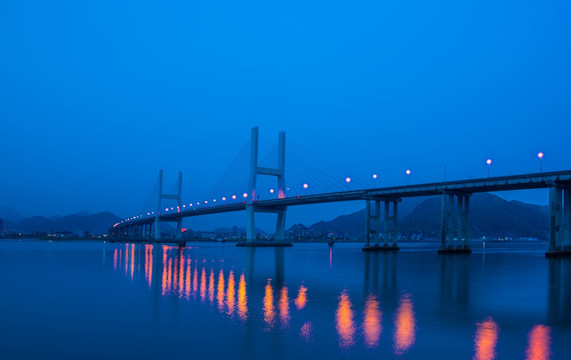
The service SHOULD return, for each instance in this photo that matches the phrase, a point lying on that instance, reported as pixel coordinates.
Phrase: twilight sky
(96, 96)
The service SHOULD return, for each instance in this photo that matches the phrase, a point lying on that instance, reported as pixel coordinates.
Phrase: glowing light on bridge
(213, 200)
(245, 195)
(347, 179)
(206, 201)
(540, 156)
(485, 340)
(405, 326)
(489, 162)
(407, 176)
(305, 186)
(233, 197)
(223, 198)
(271, 191)
(539, 346)
(344, 321)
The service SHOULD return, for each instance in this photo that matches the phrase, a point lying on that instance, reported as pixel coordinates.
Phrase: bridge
(454, 210)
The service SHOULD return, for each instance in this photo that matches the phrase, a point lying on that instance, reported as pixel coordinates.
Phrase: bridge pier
(389, 229)
(559, 221)
(252, 207)
(461, 216)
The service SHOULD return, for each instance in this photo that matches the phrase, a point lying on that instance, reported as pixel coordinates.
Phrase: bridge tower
(251, 201)
(176, 197)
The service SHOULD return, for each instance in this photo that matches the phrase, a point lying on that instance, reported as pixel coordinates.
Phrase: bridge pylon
(177, 197)
(251, 200)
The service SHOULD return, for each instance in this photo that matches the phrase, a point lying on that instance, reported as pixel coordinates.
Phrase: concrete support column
(443, 217)
(280, 226)
(367, 222)
(386, 230)
(250, 223)
(377, 221)
(466, 221)
(395, 222)
(555, 202)
(449, 214)
(567, 219)
(459, 221)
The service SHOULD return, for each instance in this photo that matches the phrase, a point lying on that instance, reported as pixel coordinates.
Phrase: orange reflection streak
(195, 278)
(164, 279)
(115, 259)
(181, 276)
(305, 331)
(344, 321)
(169, 276)
(187, 280)
(132, 260)
(220, 294)
(127, 259)
(284, 307)
(175, 275)
(485, 340)
(120, 261)
(269, 311)
(301, 299)
(539, 347)
(211, 286)
(405, 325)
(242, 299)
(372, 322)
(231, 293)
(202, 285)
(330, 256)
(150, 269)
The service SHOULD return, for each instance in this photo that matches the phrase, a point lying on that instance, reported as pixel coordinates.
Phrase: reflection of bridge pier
(454, 281)
(559, 292)
(373, 225)
(373, 276)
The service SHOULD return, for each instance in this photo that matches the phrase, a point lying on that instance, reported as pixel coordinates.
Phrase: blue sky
(96, 96)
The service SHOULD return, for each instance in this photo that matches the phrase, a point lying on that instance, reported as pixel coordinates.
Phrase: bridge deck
(500, 183)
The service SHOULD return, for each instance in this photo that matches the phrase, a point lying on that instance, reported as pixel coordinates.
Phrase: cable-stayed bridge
(311, 180)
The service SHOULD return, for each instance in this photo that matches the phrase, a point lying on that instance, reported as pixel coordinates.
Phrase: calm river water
(92, 300)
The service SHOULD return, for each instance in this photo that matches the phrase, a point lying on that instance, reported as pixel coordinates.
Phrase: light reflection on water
(268, 298)
(485, 340)
(344, 320)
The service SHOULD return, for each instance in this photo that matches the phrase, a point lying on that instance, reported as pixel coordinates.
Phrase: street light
(348, 181)
(305, 186)
(540, 156)
(375, 176)
(407, 176)
(489, 162)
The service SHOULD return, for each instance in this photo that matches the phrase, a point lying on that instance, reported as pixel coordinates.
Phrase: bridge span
(454, 210)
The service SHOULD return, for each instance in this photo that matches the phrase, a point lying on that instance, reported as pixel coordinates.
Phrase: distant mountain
(9, 214)
(490, 216)
(95, 224)
(355, 223)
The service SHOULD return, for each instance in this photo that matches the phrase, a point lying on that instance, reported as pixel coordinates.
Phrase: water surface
(92, 300)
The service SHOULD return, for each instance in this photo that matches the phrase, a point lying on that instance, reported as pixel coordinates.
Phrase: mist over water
(89, 300)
